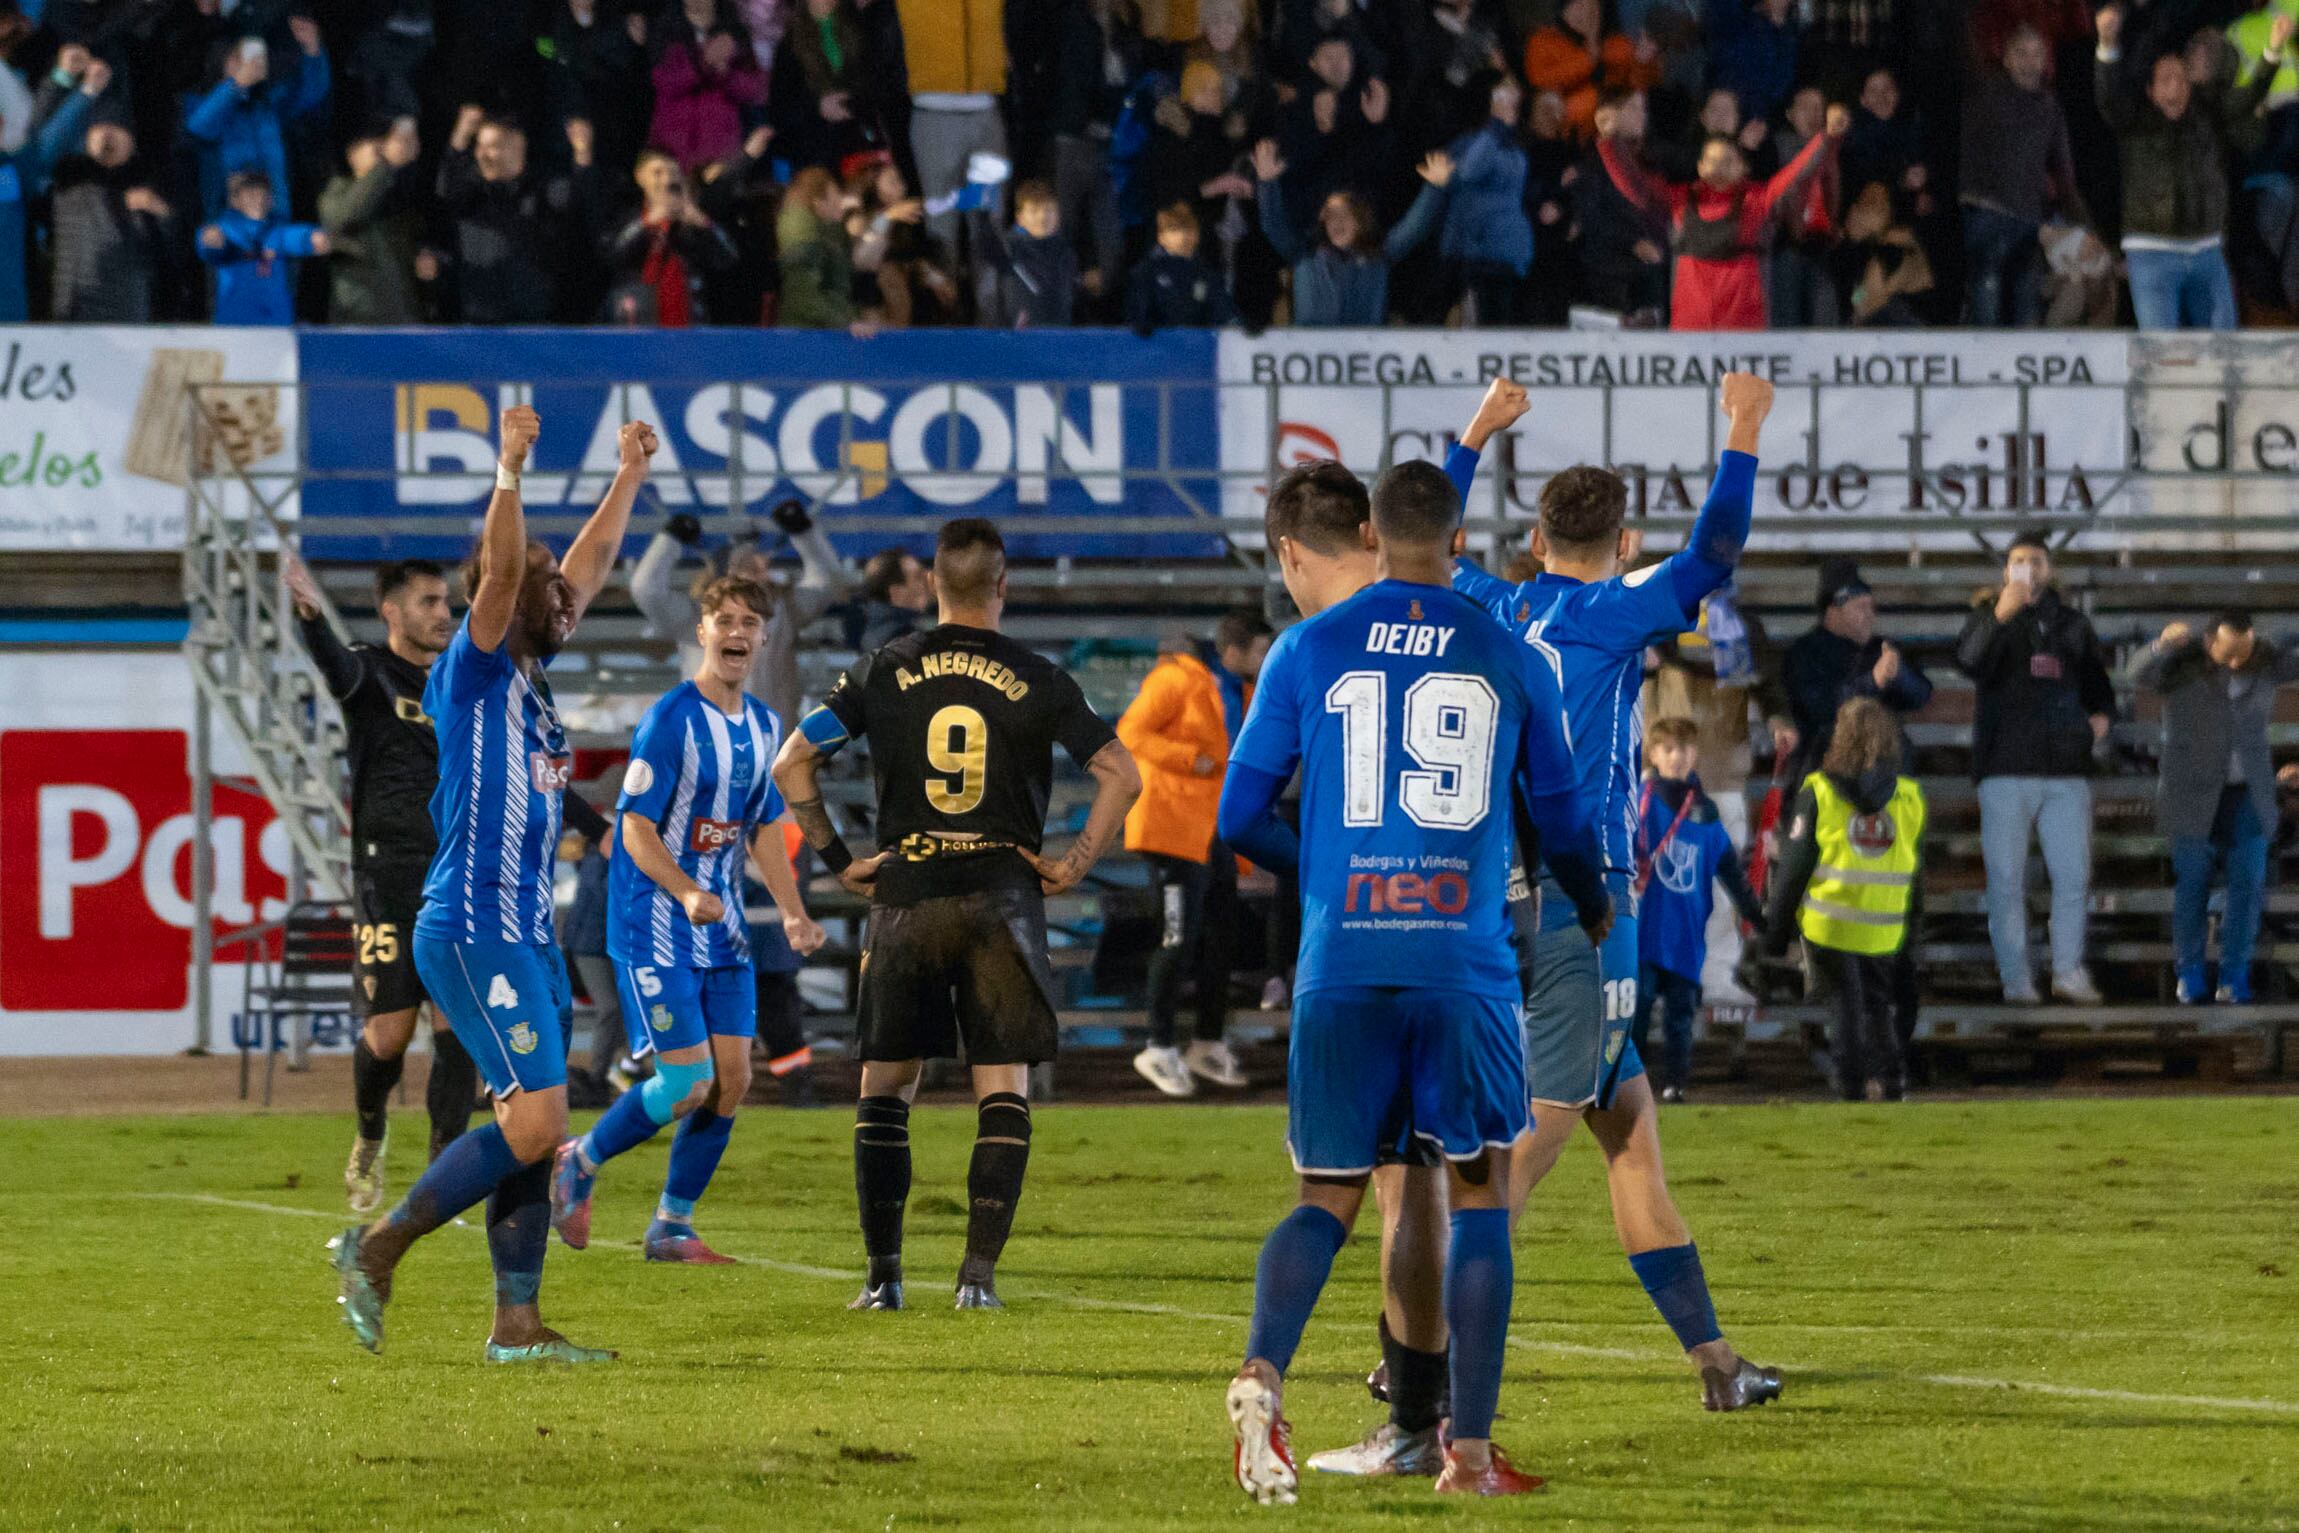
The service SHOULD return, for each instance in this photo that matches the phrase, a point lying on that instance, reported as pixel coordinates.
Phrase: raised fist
(1504, 404)
(306, 32)
(97, 79)
(1746, 398)
(636, 443)
(521, 425)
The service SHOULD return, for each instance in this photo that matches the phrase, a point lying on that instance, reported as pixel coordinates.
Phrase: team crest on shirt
(1413, 612)
(660, 1019)
(1873, 834)
(1678, 867)
(1613, 1046)
(522, 1038)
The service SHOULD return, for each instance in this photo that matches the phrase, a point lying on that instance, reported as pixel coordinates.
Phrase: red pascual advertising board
(96, 855)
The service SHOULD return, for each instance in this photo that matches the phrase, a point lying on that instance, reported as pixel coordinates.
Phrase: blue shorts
(1581, 1009)
(510, 1006)
(666, 1007)
(1371, 1068)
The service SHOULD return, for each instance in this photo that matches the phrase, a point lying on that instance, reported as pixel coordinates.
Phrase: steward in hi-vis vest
(1848, 877)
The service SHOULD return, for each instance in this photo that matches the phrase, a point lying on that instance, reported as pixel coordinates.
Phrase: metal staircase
(249, 666)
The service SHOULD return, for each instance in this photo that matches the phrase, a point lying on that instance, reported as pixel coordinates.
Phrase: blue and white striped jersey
(704, 777)
(503, 770)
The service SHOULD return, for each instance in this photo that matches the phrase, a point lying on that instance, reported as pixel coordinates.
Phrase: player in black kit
(394, 758)
(962, 723)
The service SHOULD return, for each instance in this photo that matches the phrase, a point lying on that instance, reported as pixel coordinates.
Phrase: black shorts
(966, 968)
(385, 899)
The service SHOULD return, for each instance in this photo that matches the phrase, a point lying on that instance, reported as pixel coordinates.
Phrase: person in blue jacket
(1487, 238)
(241, 123)
(24, 174)
(1341, 277)
(251, 252)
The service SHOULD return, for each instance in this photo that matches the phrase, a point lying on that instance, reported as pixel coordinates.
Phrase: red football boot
(1499, 1478)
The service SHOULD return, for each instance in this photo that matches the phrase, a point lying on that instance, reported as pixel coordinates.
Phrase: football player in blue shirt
(484, 942)
(1419, 722)
(1592, 623)
(698, 791)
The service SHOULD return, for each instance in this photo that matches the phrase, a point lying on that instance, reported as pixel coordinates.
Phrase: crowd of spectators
(1706, 164)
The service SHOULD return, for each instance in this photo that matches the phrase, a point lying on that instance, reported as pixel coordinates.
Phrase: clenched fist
(703, 908)
(1504, 404)
(521, 425)
(636, 442)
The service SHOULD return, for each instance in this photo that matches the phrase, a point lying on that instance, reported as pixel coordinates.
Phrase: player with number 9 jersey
(1413, 717)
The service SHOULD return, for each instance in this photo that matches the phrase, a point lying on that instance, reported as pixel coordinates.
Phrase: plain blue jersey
(1594, 638)
(503, 768)
(704, 777)
(1413, 718)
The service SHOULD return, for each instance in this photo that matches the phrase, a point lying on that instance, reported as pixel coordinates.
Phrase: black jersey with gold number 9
(962, 724)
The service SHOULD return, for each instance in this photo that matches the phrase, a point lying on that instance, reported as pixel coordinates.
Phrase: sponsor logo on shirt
(714, 835)
(1407, 893)
(551, 772)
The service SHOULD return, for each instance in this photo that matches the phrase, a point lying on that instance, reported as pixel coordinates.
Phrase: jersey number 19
(1449, 724)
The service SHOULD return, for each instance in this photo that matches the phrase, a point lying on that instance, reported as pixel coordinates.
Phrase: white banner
(1949, 425)
(95, 856)
(96, 439)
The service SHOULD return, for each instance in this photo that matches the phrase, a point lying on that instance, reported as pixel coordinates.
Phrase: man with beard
(484, 943)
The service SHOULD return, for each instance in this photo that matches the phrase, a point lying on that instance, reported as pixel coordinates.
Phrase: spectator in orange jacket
(1574, 57)
(1179, 728)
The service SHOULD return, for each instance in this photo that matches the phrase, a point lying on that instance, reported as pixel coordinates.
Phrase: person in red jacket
(1720, 222)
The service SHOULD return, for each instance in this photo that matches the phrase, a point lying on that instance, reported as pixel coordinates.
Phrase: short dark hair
(399, 574)
(1673, 730)
(739, 588)
(2233, 619)
(1414, 502)
(969, 560)
(1583, 507)
(474, 562)
(1239, 628)
(245, 180)
(1319, 504)
(1176, 217)
(1034, 191)
(2035, 538)
(883, 571)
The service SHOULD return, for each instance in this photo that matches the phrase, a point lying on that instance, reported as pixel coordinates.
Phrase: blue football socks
(624, 1126)
(1295, 1261)
(695, 1152)
(518, 1232)
(465, 1172)
(1480, 1282)
(1679, 1290)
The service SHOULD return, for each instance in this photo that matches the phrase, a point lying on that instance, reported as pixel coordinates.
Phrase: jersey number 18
(1449, 724)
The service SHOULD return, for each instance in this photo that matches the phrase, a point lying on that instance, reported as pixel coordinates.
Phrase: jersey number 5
(1449, 724)
(957, 743)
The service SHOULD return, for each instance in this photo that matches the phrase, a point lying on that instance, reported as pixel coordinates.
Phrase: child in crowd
(250, 250)
(1847, 880)
(1171, 286)
(1683, 850)
(1030, 280)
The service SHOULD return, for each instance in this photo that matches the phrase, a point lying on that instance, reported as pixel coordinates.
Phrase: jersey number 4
(1449, 724)
(957, 744)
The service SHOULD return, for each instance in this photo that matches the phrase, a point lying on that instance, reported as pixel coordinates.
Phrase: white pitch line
(1562, 1348)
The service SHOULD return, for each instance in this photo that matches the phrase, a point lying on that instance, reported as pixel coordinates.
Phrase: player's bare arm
(591, 558)
(1746, 400)
(644, 843)
(797, 772)
(1117, 783)
(503, 537)
(1504, 404)
(772, 859)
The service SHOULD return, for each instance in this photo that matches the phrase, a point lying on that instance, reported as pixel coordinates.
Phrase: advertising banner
(96, 438)
(928, 423)
(96, 856)
(1947, 425)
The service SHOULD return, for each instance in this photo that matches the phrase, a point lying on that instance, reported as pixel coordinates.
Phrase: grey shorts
(1580, 1010)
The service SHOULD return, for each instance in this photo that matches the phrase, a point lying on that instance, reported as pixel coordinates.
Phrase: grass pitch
(172, 1355)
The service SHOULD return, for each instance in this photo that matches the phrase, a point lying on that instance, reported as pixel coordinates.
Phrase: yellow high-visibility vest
(1858, 899)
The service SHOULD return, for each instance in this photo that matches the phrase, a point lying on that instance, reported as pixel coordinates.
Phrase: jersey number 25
(1449, 724)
